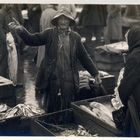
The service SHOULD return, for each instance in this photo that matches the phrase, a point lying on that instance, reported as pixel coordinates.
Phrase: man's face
(63, 22)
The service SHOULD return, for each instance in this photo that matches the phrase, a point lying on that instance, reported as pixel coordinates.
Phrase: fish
(11, 112)
(12, 58)
(35, 110)
(103, 116)
(2, 116)
(88, 110)
(3, 108)
(102, 108)
(96, 112)
(116, 103)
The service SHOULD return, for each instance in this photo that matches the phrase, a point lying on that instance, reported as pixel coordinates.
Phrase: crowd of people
(53, 29)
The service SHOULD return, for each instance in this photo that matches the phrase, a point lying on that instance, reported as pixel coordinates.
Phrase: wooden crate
(93, 123)
(88, 90)
(15, 126)
(109, 62)
(108, 58)
(60, 118)
(7, 89)
(21, 126)
(55, 118)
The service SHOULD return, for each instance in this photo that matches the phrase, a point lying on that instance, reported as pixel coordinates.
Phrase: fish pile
(80, 131)
(84, 77)
(20, 110)
(68, 129)
(113, 48)
(3, 108)
(86, 74)
(99, 111)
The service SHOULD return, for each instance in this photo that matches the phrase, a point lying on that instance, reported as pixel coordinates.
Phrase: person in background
(114, 24)
(130, 84)
(46, 17)
(34, 13)
(58, 73)
(3, 45)
(132, 11)
(93, 20)
(33, 23)
(44, 6)
(16, 9)
(7, 13)
(45, 22)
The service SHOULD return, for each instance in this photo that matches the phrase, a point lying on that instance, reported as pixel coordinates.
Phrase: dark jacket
(34, 14)
(130, 84)
(93, 15)
(50, 38)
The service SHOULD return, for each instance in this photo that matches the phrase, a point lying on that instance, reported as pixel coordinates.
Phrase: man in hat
(58, 73)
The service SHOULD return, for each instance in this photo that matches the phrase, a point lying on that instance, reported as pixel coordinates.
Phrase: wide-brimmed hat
(63, 12)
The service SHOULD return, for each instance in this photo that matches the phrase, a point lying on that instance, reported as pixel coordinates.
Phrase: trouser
(97, 31)
(59, 97)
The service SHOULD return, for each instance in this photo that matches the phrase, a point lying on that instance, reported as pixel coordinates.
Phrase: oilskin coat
(50, 38)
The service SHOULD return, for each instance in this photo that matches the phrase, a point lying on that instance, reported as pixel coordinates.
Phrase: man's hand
(15, 25)
(98, 79)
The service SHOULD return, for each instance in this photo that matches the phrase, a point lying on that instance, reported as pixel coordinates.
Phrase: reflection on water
(26, 94)
(29, 84)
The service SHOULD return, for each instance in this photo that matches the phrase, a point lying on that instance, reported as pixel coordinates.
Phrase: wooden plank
(111, 130)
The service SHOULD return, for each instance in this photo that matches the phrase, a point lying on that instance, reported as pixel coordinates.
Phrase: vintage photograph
(70, 70)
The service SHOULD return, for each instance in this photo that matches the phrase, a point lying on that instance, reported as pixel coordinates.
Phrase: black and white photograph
(69, 70)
